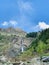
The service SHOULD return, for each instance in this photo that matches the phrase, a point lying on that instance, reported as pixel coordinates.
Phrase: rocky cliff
(13, 41)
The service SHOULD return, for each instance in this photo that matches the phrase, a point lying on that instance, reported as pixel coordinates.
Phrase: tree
(47, 46)
(32, 34)
(41, 47)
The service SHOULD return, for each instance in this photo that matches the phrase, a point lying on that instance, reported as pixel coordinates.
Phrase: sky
(29, 15)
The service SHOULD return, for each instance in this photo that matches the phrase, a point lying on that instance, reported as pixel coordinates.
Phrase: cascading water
(22, 49)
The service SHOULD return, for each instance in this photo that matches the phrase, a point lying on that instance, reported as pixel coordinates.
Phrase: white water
(22, 49)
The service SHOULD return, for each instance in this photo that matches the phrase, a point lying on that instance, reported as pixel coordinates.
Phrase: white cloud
(10, 23)
(42, 25)
(5, 23)
(13, 22)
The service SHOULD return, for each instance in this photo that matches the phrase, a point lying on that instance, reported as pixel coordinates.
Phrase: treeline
(32, 34)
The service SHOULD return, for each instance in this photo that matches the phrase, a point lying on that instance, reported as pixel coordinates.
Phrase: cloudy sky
(30, 15)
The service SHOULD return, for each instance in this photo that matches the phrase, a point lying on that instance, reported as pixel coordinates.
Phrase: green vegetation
(40, 43)
(33, 35)
(27, 54)
(41, 47)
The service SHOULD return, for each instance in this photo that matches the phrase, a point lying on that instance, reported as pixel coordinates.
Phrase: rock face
(17, 41)
(18, 45)
(17, 34)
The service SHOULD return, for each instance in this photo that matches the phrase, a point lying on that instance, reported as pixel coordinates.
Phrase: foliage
(41, 42)
(27, 54)
(32, 34)
(44, 35)
(41, 47)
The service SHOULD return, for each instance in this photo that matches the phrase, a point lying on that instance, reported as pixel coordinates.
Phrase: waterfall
(22, 46)
(22, 49)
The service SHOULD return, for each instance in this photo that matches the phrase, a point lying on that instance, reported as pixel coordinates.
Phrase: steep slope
(39, 45)
(12, 40)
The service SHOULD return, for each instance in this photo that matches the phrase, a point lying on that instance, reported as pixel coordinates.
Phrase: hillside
(39, 46)
(27, 45)
(12, 40)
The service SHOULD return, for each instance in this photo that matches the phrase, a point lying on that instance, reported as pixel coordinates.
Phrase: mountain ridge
(13, 31)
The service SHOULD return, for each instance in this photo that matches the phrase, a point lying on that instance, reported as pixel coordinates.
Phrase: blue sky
(29, 15)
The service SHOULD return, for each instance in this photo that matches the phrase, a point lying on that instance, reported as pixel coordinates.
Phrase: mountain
(12, 40)
(13, 31)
